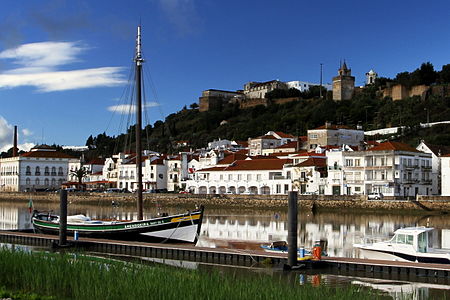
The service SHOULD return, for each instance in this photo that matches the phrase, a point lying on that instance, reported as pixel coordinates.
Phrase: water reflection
(248, 228)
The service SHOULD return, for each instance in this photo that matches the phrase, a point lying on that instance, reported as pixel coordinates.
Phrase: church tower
(370, 77)
(343, 84)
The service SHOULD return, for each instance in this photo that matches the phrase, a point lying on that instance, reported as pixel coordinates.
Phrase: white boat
(407, 244)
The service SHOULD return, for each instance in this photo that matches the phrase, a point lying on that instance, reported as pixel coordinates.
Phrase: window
(37, 172)
(27, 181)
(28, 171)
(313, 136)
(37, 181)
(230, 177)
(239, 177)
(357, 162)
(60, 171)
(249, 177)
(349, 162)
(357, 189)
(278, 188)
(258, 177)
(46, 172)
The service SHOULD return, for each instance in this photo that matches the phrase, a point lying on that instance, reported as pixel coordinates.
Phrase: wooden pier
(236, 257)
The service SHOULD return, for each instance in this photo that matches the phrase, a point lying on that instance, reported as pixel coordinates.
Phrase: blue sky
(64, 65)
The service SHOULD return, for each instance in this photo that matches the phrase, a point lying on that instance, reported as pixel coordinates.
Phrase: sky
(65, 65)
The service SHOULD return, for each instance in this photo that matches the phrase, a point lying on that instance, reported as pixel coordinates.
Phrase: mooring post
(63, 217)
(292, 229)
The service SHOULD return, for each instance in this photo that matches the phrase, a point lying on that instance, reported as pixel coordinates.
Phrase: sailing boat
(183, 227)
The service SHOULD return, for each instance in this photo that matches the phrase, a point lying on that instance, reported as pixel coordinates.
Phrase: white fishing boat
(407, 244)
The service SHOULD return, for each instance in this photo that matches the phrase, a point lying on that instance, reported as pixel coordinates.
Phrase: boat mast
(139, 60)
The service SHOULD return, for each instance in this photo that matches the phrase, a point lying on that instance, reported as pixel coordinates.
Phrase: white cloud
(130, 109)
(6, 137)
(39, 64)
(45, 55)
(26, 132)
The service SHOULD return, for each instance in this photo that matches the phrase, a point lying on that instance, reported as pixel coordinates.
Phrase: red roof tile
(284, 135)
(313, 162)
(231, 158)
(46, 154)
(253, 165)
(288, 145)
(394, 146)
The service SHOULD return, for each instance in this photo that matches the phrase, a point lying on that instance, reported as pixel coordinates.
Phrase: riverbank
(312, 202)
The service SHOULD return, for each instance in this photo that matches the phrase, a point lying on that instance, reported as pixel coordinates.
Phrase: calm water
(248, 228)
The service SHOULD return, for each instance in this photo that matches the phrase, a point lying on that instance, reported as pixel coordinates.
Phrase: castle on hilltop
(253, 94)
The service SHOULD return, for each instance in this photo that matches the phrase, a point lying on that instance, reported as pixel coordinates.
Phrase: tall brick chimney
(15, 142)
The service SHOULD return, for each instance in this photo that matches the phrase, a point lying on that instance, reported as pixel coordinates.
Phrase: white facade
(435, 167)
(445, 175)
(304, 86)
(35, 170)
(155, 174)
(239, 178)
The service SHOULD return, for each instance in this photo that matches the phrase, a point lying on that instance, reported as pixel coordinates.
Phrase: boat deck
(237, 257)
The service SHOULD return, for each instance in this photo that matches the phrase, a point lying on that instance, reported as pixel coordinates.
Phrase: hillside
(295, 118)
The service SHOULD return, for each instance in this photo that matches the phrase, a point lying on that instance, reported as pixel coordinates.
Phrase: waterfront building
(271, 140)
(250, 176)
(155, 173)
(445, 175)
(41, 168)
(436, 151)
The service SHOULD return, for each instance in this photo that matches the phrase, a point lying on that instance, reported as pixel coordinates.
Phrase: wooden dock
(235, 257)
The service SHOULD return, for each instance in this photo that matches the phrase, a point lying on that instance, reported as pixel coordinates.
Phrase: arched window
(53, 171)
(38, 182)
(27, 181)
(60, 171)
(46, 172)
(28, 171)
(46, 181)
(38, 171)
(53, 182)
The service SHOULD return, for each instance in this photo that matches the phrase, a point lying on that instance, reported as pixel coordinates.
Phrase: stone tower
(370, 77)
(343, 84)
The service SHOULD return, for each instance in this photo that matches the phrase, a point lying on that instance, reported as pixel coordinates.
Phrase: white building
(304, 86)
(41, 168)
(334, 135)
(259, 176)
(155, 174)
(436, 152)
(445, 175)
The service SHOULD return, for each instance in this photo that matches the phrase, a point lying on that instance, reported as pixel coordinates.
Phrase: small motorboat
(407, 244)
(302, 253)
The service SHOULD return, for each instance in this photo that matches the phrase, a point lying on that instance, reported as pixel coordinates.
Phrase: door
(336, 190)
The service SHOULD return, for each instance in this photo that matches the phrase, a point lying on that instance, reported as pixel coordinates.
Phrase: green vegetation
(68, 277)
(5, 294)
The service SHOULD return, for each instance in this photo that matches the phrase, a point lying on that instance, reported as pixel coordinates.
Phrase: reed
(81, 277)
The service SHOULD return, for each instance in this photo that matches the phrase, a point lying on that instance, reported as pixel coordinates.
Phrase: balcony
(337, 168)
(46, 173)
(410, 181)
(427, 168)
(28, 173)
(427, 181)
(37, 174)
(54, 174)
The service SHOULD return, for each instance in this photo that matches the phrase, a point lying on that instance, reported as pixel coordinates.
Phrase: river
(248, 228)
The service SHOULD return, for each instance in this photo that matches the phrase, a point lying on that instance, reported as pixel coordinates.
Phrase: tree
(444, 75)
(79, 174)
(427, 75)
(193, 106)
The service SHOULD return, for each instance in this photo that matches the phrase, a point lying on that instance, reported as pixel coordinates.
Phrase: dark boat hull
(181, 228)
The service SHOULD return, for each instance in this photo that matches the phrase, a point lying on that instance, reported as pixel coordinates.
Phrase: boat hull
(377, 254)
(181, 228)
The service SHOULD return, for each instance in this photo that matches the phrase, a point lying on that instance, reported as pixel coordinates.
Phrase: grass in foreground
(66, 277)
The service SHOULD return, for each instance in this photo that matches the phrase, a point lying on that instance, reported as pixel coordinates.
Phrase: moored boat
(407, 244)
(184, 228)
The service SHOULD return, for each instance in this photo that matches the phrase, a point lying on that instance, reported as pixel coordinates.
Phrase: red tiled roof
(250, 165)
(288, 145)
(242, 143)
(46, 154)
(159, 161)
(313, 162)
(309, 154)
(96, 161)
(303, 138)
(395, 146)
(242, 151)
(231, 158)
(284, 135)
